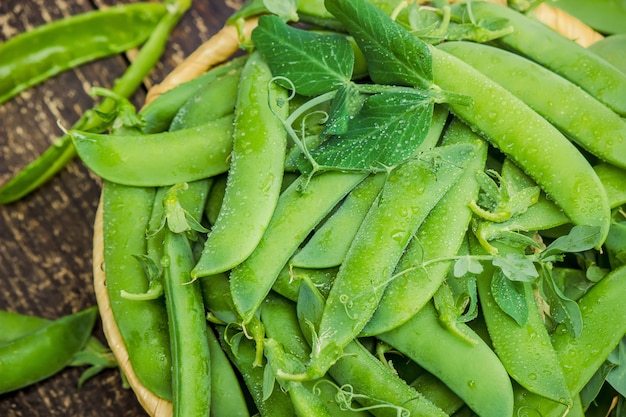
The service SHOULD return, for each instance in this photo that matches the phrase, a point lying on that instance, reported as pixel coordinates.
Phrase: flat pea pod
(604, 325)
(158, 159)
(44, 352)
(536, 146)
(243, 355)
(439, 236)
(212, 101)
(472, 371)
(583, 119)
(191, 358)
(15, 325)
(62, 151)
(613, 49)
(159, 113)
(411, 191)
(362, 377)
(437, 392)
(525, 350)
(281, 324)
(554, 51)
(300, 208)
(142, 324)
(227, 398)
(49, 49)
(255, 174)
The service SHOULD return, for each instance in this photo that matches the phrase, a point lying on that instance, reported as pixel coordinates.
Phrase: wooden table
(46, 238)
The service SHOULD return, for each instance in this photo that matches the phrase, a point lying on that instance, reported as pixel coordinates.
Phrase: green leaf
(285, 9)
(510, 296)
(313, 63)
(580, 238)
(346, 103)
(394, 56)
(617, 376)
(562, 308)
(516, 267)
(388, 130)
(467, 265)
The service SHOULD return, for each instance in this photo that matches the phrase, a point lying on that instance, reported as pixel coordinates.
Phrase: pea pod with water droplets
(534, 144)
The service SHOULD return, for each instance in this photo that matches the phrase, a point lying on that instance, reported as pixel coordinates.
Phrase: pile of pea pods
(480, 272)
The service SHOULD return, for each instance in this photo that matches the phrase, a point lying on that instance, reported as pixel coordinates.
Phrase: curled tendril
(345, 397)
(347, 304)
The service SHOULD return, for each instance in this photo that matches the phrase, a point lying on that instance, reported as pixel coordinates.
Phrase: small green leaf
(313, 63)
(387, 131)
(562, 308)
(617, 376)
(285, 9)
(394, 56)
(516, 267)
(467, 264)
(346, 103)
(580, 238)
(510, 297)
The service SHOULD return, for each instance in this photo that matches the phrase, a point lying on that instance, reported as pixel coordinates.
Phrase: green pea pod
(191, 358)
(472, 371)
(15, 325)
(288, 281)
(410, 193)
(242, 353)
(439, 236)
(525, 350)
(604, 325)
(584, 120)
(227, 397)
(40, 53)
(554, 51)
(142, 324)
(282, 327)
(160, 112)
(44, 352)
(62, 151)
(300, 208)
(528, 139)
(256, 171)
(158, 159)
(212, 101)
(438, 393)
(613, 49)
(361, 376)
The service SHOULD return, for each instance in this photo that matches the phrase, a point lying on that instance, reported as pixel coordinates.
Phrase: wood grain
(46, 238)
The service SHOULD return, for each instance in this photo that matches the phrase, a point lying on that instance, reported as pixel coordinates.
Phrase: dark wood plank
(45, 239)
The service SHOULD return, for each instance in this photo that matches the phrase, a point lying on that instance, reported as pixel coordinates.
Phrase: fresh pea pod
(604, 325)
(212, 101)
(242, 353)
(142, 324)
(584, 120)
(191, 358)
(227, 398)
(256, 170)
(421, 271)
(44, 352)
(554, 51)
(47, 50)
(524, 349)
(438, 393)
(159, 113)
(62, 151)
(613, 49)
(362, 377)
(158, 159)
(472, 371)
(529, 140)
(300, 208)
(410, 193)
(15, 325)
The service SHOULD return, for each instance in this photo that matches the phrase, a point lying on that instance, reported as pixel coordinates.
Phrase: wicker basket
(212, 52)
